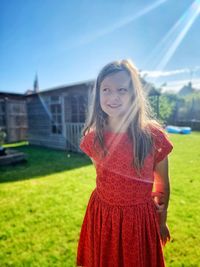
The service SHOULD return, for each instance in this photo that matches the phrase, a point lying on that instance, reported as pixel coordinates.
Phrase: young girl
(125, 221)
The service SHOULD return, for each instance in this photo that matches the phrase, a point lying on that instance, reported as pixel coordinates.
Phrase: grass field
(43, 201)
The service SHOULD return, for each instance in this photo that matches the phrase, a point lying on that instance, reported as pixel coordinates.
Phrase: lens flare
(165, 50)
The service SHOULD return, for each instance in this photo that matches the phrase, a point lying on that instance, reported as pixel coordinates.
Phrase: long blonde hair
(138, 119)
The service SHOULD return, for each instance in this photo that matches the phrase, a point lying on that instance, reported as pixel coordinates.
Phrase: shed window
(78, 108)
(56, 114)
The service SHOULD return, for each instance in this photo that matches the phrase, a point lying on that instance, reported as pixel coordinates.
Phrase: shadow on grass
(41, 161)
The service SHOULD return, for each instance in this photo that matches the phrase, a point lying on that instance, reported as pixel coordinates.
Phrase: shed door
(16, 120)
(75, 108)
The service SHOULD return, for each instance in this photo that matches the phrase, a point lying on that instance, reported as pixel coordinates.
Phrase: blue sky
(69, 41)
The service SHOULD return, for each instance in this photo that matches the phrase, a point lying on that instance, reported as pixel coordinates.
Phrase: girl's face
(115, 94)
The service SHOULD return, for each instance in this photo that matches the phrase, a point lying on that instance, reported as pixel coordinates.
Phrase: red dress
(120, 226)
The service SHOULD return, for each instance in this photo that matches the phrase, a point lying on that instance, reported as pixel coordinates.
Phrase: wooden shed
(57, 115)
(13, 116)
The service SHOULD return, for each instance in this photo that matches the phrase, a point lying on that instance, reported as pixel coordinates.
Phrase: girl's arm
(162, 188)
(93, 161)
(162, 184)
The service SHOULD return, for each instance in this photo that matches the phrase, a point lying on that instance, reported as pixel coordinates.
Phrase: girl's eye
(122, 90)
(105, 89)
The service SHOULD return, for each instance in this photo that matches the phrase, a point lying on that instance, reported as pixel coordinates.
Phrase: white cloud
(157, 73)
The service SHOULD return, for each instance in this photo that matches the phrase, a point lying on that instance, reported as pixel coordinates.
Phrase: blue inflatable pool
(176, 129)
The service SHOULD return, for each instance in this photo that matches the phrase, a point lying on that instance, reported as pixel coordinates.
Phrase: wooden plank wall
(39, 122)
(16, 120)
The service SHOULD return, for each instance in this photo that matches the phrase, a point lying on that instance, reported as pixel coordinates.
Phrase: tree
(168, 107)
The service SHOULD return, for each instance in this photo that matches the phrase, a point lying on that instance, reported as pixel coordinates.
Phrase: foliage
(173, 107)
(189, 109)
(167, 106)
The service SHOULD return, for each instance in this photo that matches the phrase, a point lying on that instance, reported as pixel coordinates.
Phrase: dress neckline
(117, 133)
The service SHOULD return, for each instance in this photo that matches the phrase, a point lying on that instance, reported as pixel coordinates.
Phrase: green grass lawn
(43, 201)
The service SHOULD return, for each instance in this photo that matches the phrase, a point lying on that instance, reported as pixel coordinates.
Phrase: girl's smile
(114, 106)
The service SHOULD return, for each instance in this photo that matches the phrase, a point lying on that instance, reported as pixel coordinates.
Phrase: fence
(73, 135)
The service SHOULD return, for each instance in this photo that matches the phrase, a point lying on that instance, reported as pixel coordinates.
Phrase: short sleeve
(163, 146)
(86, 144)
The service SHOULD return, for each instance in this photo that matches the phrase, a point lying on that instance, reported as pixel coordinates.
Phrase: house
(187, 90)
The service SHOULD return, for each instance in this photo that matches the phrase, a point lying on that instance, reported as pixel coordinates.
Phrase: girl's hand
(165, 234)
(158, 199)
(159, 207)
